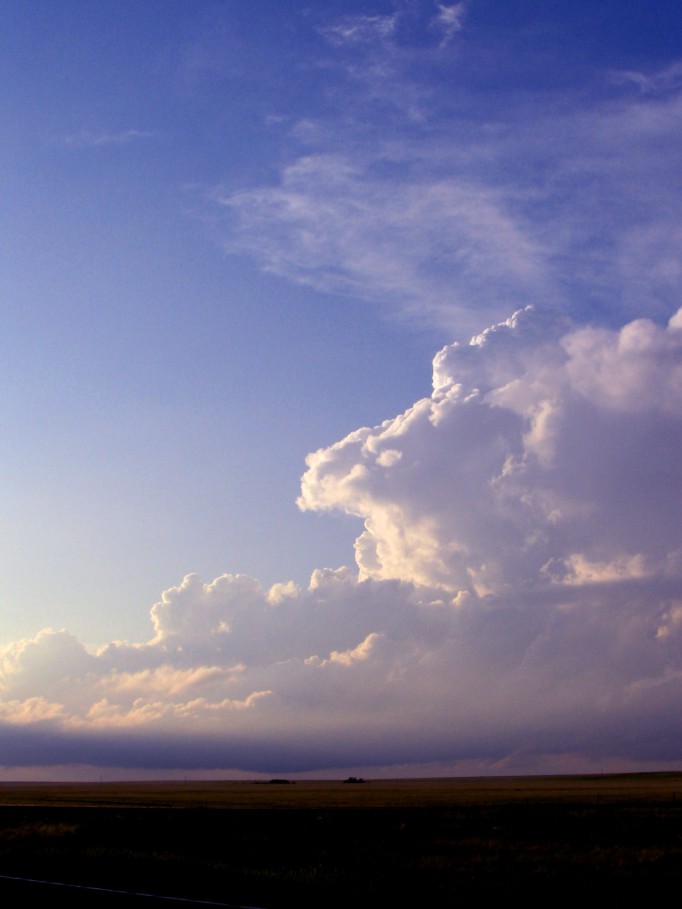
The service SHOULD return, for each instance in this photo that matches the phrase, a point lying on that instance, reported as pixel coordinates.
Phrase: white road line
(156, 896)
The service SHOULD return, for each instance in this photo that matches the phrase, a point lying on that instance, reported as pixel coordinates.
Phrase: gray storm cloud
(518, 587)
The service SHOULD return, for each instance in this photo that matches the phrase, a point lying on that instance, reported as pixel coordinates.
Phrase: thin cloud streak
(449, 20)
(94, 139)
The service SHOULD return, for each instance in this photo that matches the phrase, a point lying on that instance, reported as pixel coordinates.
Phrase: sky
(341, 388)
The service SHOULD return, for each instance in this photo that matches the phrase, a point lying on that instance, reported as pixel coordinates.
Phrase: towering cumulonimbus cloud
(519, 588)
(545, 457)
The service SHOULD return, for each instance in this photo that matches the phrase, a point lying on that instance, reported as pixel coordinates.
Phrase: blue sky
(234, 237)
(141, 360)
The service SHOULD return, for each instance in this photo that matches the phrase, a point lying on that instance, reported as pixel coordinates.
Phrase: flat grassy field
(403, 842)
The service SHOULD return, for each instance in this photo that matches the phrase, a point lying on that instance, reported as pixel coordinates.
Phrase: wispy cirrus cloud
(450, 20)
(360, 29)
(573, 212)
(430, 197)
(662, 81)
(332, 224)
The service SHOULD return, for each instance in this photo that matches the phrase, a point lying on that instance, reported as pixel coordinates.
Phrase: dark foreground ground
(403, 843)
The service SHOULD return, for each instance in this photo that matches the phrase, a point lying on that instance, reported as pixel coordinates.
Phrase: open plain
(407, 842)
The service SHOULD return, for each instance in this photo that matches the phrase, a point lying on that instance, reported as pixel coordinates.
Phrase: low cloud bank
(518, 589)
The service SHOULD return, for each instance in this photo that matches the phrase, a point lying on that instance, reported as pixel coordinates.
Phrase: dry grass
(422, 793)
(334, 844)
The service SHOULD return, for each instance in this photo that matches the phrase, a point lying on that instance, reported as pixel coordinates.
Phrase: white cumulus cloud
(518, 588)
(540, 450)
